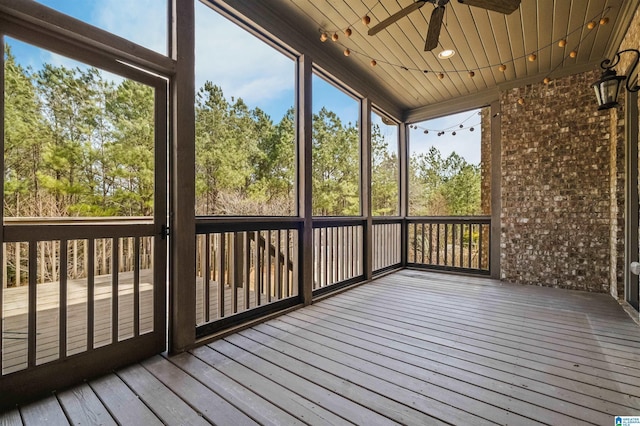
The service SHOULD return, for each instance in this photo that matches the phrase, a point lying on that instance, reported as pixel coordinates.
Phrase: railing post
(305, 145)
(365, 165)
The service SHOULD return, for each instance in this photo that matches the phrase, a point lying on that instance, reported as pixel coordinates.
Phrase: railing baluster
(114, 290)
(480, 247)
(220, 262)
(461, 245)
(62, 337)
(247, 269)
(257, 274)
(453, 244)
(277, 272)
(235, 269)
(268, 250)
(206, 277)
(136, 286)
(287, 291)
(325, 258)
(470, 227)
(90, 256)
(33, 303)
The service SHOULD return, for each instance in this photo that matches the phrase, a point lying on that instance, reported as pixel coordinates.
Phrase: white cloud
(240, 63)
(141, 21)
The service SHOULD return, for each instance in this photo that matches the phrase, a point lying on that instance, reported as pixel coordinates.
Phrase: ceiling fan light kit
(446, 54)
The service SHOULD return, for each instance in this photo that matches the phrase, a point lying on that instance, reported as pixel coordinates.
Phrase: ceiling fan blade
(396, 16)
(433, 33)
(503, 6)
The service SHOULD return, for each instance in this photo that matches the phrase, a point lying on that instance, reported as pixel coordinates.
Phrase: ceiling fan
(435, 23)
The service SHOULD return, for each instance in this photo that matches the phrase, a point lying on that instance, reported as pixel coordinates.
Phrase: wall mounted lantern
(608, 87)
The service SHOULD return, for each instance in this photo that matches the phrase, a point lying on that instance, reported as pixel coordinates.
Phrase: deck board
(123, 404)
(409, 348)
(83, 407)
(10, 418)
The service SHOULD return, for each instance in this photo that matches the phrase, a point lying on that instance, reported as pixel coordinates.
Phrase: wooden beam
(182, 321)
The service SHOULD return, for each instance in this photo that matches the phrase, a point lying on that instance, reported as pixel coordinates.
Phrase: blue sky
(240, 63)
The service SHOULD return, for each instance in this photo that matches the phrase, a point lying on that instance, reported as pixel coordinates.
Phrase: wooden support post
(496, 205)
(365, 179)
(182, 330)
(403, 158)
(304, 135)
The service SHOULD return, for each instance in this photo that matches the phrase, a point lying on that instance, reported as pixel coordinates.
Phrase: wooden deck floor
(412, 348)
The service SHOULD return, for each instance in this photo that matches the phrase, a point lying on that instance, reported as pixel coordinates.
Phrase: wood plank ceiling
(482, 40)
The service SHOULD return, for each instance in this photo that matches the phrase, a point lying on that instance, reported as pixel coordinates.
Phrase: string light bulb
(546, 80)
(453, 133)
(573, 54)
(348, 32)
(471, 129)
(502, 68)
(591, 25)
(366, 20)
(440, 76)
(334, 37)
(324, 37)
(347, 52)
(471, 74)
(521, 101)
(373, 63)
(604, 21)
(532, 57)
(562, 43)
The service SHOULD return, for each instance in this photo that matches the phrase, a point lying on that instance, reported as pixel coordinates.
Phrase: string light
(440, 74)
(452, 129)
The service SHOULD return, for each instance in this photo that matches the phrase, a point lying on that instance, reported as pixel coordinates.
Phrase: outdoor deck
(411, 347)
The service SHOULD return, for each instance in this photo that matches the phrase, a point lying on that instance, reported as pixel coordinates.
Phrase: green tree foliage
(336, 166)
(443, 186)
(244, 164)
(78, 143)
(384, 176)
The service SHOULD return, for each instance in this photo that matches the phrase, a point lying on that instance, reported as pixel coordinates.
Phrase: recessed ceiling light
(446, 54)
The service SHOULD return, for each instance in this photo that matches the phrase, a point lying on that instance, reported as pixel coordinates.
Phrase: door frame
(36, 380)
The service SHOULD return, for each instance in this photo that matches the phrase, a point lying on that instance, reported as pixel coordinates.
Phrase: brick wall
(556, 218)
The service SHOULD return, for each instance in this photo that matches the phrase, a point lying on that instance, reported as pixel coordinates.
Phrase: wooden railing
(337, 252)
(449, 243)
(386, 244)
(242, 265)
(60, 297)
